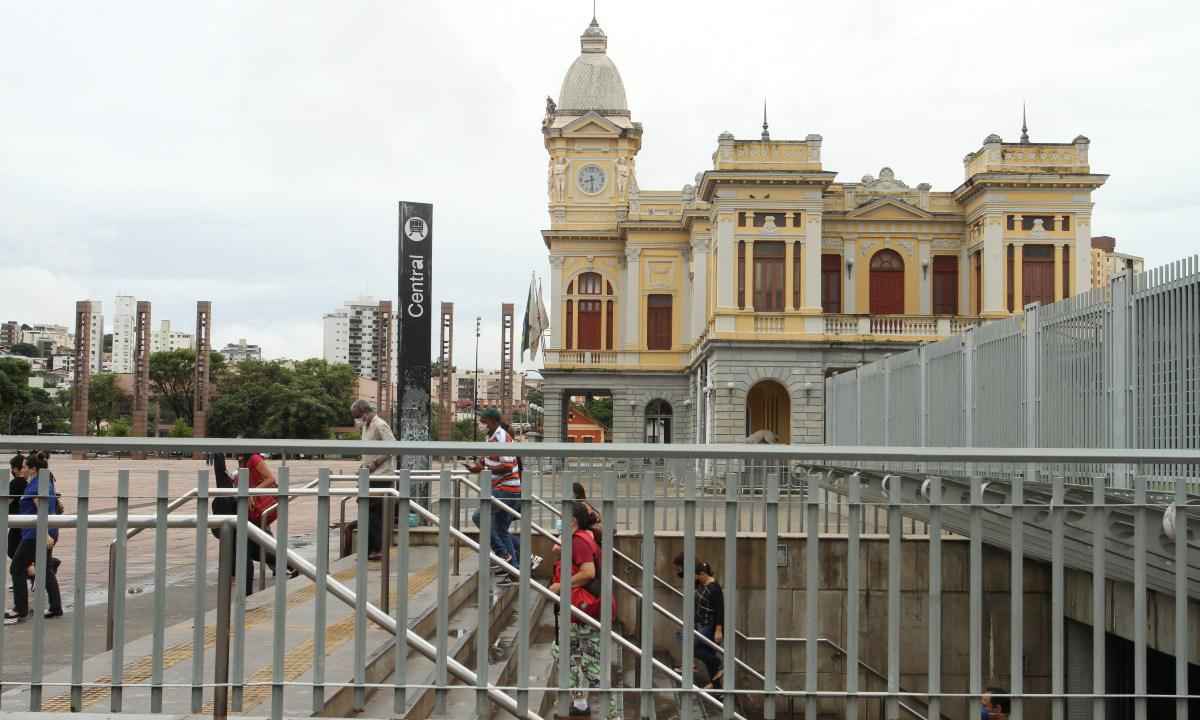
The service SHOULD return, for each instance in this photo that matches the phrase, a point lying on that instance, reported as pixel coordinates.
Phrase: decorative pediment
(889, 209)
(592, 124)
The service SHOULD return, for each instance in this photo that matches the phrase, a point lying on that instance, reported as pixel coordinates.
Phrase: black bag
(223, 504)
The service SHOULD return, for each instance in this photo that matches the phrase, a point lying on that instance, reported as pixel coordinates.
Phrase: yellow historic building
(717, 310)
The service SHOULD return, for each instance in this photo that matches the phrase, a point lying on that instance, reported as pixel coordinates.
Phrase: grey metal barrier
(1110, 367)
(874, 606)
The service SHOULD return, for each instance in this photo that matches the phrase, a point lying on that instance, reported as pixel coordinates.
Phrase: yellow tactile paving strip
(140, 670)
(300, 659)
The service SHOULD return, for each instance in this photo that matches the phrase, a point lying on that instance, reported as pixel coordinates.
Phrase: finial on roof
(1024, 125)
(766, 135)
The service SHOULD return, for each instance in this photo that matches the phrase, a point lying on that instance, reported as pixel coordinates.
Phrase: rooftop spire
(766, 135)
(1024, 126)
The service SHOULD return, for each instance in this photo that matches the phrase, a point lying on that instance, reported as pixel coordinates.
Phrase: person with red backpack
(585, 595)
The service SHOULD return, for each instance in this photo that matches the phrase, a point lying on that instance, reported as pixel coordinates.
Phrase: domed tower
(591, 142)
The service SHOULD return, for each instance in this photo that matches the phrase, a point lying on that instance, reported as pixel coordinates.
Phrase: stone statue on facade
(551, 108)
(623, 171)
(558, 179)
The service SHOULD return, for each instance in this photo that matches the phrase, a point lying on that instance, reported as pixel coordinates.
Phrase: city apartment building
(164, 339)
(237, 352)
(45, 337)
(351, 335)
(1106, 261)
(716, 310)
(10, 333)
(124, 340)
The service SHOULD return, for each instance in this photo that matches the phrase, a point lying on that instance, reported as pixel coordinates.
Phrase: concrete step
(422, 703)
(258, 656)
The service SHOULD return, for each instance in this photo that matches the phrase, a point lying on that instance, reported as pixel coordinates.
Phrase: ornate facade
(730, 299)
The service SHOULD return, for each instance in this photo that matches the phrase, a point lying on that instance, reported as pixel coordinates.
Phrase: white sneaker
(534, 562)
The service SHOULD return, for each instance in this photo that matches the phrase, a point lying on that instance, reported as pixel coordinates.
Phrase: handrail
(621, 583)
(555, 598)
(387, 622)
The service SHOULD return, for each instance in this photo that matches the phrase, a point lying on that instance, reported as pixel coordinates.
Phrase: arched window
(887, 283)
(591, 312)
(658, 422)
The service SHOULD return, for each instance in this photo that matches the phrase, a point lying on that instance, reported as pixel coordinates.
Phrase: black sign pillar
(415, 318)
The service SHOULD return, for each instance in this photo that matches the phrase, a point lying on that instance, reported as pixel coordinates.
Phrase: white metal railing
(1111, 367)
(984, 494)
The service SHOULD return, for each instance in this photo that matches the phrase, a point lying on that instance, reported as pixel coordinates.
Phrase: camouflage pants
(585, 666)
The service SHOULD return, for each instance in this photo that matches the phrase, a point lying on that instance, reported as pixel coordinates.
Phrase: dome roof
(592, 82)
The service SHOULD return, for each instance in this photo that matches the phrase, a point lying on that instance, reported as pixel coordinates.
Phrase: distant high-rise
(237, 352)
(123, 334)
(164, 339)
(352, 336)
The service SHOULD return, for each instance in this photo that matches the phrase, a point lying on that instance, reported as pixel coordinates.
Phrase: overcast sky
(252, 153)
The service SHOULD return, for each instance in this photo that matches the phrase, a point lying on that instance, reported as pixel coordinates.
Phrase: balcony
(614, 359)
(897, 326)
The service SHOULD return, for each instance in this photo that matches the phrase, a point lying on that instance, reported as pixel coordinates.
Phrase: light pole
(475, 404)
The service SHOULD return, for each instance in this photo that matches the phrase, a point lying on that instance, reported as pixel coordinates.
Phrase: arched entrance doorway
(887, 283)
(658, 422)
(768, 407)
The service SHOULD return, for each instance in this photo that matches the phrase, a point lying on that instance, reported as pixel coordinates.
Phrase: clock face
(591, 179)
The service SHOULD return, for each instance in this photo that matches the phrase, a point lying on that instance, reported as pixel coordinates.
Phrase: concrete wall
(631, 393)
(792, 366)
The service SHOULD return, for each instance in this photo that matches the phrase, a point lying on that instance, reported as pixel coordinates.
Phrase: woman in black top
(16, 488)
(710, 617)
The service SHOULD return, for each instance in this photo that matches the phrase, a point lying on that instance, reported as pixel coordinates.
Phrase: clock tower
(591, 144)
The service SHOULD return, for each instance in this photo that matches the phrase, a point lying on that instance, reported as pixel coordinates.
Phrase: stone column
(1018, 276)
(556, 302)
(1058, 286)
(699, 286)
(849, 294)
(726, 262)
(749, 275)
(812, 264)
(925, 263)
(789, 287)
(964, 276)
(1081, 255)
(993, 265)
(633, 297)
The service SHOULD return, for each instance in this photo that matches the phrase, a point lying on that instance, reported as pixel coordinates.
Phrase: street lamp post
(475, 404)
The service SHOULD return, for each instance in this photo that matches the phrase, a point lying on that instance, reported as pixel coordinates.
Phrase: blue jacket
(29, 507)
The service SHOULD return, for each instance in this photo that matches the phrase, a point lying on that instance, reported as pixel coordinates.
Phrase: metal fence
(1117, 366)
(817, 622)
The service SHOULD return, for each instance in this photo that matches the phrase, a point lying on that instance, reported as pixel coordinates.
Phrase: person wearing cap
(506, 489)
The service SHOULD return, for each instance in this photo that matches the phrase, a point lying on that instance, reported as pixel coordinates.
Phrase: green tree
(534, 396)
(40, 407)
(117, 428)
(181, 429)
(26, 349)
(14, 390)
(601, 409)
(106, 400)
(173, 379)
(270, 400)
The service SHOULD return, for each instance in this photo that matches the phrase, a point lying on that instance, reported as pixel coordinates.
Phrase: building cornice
(605, 235)
(986, 181)
(713, 178)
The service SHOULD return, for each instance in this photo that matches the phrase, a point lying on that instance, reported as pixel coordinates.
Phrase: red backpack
(585, 597)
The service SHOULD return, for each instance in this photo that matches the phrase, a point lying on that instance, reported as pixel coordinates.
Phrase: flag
(528, 342)
(541, 322)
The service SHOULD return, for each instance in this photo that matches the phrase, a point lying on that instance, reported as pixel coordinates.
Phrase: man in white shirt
(375, 428)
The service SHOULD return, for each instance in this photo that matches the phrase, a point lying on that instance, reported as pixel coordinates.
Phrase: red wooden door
(945, 285)
(887, 283)
(1037, 274)
(589, 324)
(831, 283)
